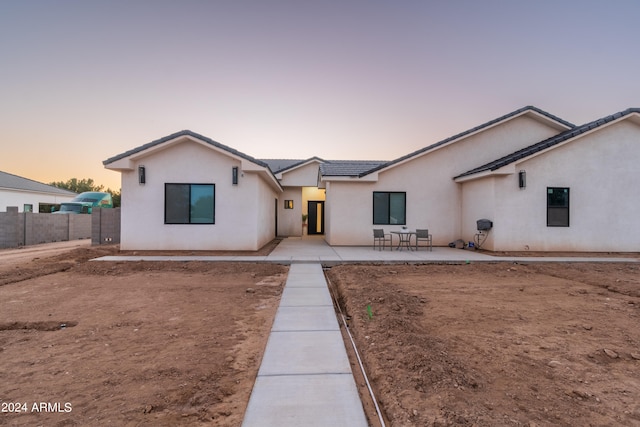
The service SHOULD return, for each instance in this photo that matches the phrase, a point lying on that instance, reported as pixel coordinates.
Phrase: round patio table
(405, 239)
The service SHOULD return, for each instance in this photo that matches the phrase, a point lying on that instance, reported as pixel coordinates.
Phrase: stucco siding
(349, 214)
(599, 169)
(303, 176)
(143, 224)
(290, 220)
(434, 200)
(265, 213)
(478, 202)
(494, 143)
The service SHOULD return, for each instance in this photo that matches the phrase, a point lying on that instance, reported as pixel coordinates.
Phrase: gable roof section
(548, 143)
(528, 109)
(263, 167)
(177, 135)
(283, 165)
(14, 182)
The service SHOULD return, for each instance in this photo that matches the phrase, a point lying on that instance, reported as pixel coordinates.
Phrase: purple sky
(82, 81)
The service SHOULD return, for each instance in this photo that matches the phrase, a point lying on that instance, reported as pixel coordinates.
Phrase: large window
(557, 207)
(389, 208)
(189, 204)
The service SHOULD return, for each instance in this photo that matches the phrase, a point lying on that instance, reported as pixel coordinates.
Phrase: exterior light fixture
(522, 179)
(234, 175)
(142, 175)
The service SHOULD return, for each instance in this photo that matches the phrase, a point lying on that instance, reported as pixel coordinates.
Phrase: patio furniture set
(381, 239)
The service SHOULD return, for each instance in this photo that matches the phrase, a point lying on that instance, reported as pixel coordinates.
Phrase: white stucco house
(29, 195)
(544, 183)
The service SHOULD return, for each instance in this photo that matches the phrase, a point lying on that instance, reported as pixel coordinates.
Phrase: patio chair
(380, 239)
(423, 234)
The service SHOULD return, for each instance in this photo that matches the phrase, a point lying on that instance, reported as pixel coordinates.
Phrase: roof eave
(505, 170)
(373, 177)
(539, 115)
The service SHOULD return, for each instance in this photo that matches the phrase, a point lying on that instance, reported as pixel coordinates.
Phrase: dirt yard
(131, 344)
(161, 344)
(498, 344)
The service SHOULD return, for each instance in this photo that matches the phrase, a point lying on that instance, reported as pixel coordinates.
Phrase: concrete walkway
(305, 378)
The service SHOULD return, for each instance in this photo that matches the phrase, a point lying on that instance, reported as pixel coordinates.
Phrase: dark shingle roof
(280, 165)
(16, 182)
(550, 142)
(349, 167)
(327, 167)
(177, 135)
(471, 131)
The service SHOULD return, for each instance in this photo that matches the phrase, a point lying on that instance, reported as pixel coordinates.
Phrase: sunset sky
(81, 81)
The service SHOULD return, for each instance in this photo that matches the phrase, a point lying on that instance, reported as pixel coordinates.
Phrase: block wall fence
(28, 228)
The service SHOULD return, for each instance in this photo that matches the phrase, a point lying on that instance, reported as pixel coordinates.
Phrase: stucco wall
(434, 200)
(303, 176)
(265, 212)
(599, 169)
(239, 215)
(478, 202)
(290, 220)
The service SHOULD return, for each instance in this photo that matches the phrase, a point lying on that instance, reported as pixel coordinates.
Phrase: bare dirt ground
(147, 343)
(499, 344)
(131, 344)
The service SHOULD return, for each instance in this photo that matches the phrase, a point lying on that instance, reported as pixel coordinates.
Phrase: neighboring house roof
(549, 142)
(177, 135)
(521, 111)
(14, 182)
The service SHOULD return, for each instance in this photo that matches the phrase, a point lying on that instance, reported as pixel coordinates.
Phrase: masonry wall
(105, 226)
(26, 228)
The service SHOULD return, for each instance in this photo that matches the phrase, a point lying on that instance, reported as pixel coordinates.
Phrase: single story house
(544, 183)
(29, 195)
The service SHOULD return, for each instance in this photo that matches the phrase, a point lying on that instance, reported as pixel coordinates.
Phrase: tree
(81, 185)
(115, 195)
(78, 186)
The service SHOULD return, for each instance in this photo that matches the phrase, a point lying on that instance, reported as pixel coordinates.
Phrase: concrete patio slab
(310, 250)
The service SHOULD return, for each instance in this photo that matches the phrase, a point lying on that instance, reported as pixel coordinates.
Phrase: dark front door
(316, 217)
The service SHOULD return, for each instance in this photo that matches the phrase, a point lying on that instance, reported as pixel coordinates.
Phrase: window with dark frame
(288, 204)
(389, 208)
(557, 207)
(189, 203)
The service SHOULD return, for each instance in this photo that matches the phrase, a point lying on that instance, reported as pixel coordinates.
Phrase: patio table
(404, 238)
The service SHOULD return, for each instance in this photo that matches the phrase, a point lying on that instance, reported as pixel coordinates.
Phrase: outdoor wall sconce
(522, 179)
(142, 175)
(234, 175)
(288, 204)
